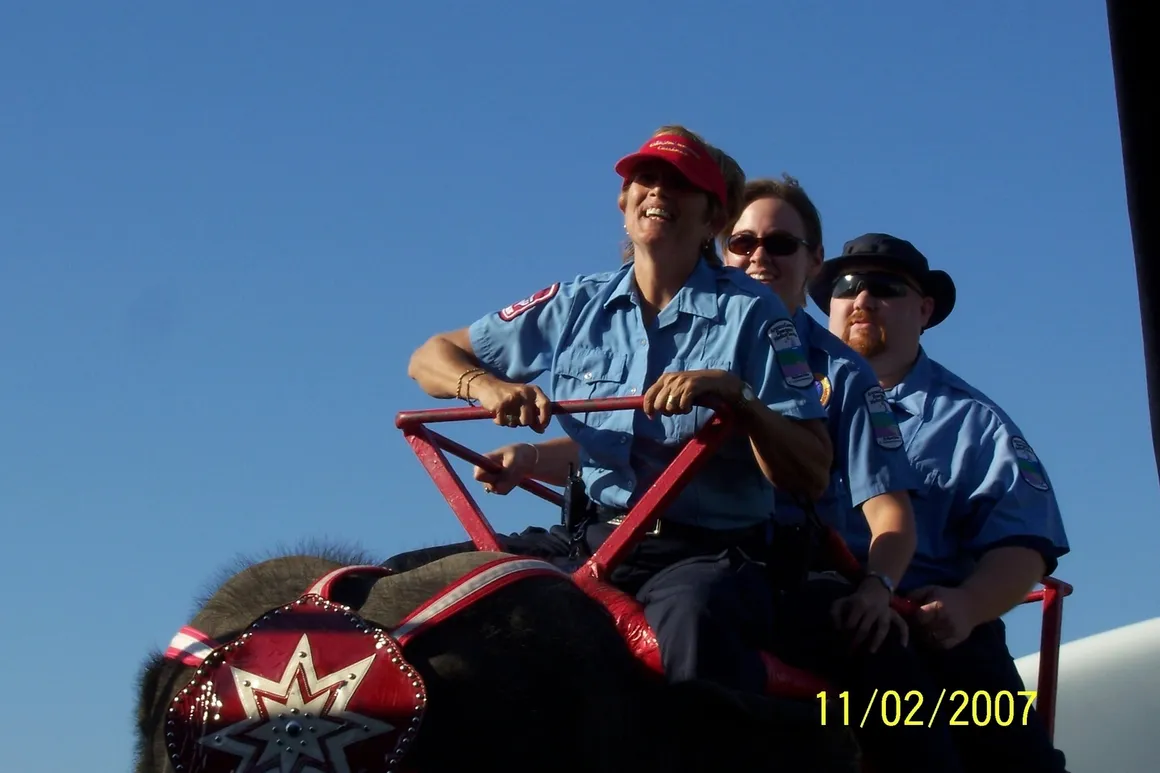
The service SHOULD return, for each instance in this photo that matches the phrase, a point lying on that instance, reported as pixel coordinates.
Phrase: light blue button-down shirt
(868, 456)
(980, 486)
(588, 334)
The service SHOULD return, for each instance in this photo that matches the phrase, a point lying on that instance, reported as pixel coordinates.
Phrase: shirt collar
(624, 287)
(804, 323)
(698, 296)
(912, 392)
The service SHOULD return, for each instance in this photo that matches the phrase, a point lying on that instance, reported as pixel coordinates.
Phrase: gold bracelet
(467, 385)
(460, 385)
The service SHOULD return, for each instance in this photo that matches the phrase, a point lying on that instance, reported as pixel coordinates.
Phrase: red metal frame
(429, 446)
(1053, 593)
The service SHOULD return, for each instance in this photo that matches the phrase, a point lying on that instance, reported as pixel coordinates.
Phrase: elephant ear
(752, 732)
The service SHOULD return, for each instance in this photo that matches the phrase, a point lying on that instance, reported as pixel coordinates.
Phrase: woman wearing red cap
(674, 325)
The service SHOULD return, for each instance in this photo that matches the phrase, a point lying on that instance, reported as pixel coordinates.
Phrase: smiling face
(769, 243)
(663, 210)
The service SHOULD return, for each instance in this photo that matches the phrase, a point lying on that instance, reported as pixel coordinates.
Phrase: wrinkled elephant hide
(533, 677)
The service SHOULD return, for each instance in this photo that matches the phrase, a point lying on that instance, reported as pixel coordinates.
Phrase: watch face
(747, 392)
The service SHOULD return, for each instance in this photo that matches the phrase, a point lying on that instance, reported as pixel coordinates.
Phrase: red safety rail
(1050, 636)
(429, 446)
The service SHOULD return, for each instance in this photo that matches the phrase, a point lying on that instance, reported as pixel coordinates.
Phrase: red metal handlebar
(405, 419)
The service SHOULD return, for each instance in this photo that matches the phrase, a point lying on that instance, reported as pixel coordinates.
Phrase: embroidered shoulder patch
(885, 426)
(791, 356)
(1030, 468)
(508, 313)
(822, 384)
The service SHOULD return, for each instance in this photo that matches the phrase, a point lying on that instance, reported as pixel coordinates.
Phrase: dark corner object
(1131, 31)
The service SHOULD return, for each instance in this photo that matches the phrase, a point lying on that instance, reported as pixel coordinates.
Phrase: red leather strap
(325, 584)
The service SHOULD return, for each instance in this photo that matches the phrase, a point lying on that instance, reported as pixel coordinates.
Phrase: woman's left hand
(675, 393)
(867, 615)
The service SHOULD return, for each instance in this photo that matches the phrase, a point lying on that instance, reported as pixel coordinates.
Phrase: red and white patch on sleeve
(508, 313)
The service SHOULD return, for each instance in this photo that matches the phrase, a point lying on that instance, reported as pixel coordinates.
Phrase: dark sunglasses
(877, 283)
(778, 243)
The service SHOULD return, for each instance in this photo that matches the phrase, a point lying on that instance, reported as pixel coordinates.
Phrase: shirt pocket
(927, 499)
(592, 374)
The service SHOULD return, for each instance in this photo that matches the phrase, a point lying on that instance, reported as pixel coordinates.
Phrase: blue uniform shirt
(981, 485)
(588, 334)
(868, 456)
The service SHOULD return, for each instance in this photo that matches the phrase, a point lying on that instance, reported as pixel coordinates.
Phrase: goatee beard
(868, 343)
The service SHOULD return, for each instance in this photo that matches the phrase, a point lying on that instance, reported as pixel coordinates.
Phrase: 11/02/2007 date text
(980, 708)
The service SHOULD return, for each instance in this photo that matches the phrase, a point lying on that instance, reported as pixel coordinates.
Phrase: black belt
(758, 534)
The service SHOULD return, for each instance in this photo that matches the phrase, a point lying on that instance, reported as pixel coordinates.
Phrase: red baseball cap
(689, 157)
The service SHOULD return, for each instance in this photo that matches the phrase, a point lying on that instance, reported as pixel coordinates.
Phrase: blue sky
(223, 231)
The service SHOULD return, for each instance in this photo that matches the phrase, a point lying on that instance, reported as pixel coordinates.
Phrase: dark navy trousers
(997, 742)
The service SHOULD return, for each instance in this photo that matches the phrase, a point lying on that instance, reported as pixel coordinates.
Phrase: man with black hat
(989, 526)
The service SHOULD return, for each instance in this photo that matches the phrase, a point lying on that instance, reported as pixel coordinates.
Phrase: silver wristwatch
(886, 581)
(747, 395)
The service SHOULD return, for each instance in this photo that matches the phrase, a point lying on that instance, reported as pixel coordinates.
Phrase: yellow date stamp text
(978, 709)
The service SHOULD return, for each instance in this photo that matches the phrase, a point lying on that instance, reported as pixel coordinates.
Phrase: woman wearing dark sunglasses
(777, 240)
(671, 324)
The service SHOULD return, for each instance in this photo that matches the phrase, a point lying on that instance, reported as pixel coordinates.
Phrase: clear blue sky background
(224, 228)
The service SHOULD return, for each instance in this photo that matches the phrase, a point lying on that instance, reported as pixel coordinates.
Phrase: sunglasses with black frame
(880, 284)
(778, 243)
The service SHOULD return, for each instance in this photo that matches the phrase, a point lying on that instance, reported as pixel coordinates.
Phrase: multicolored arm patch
(791, 355)
(886, 431)
(1030, 468)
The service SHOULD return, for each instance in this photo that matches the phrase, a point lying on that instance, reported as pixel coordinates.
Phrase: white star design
(301, 716)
